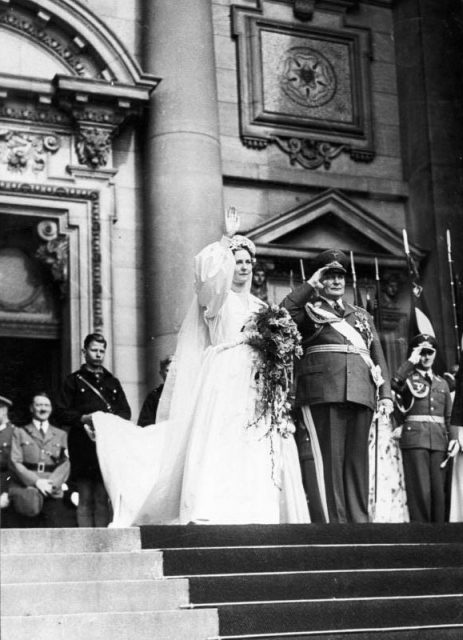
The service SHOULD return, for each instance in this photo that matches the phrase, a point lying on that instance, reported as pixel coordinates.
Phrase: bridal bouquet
(276, 340)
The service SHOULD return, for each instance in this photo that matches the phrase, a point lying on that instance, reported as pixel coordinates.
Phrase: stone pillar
(428, 42)
(182, 178)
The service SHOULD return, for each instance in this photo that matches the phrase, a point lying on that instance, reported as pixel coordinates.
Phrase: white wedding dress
(203, 463)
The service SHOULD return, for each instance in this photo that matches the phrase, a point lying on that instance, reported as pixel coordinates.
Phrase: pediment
(331, 220)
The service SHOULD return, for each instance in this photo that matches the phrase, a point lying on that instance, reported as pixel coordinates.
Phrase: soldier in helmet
(423, 407)
(340, 381)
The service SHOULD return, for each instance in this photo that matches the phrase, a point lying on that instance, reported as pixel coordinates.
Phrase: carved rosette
(305, 88)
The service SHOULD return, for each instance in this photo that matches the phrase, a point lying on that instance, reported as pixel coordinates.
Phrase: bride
(203, 462)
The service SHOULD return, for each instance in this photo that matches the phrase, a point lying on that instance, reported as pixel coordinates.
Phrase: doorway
(28, 365)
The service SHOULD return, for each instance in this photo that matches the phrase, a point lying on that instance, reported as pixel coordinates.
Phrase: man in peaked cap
(341, 380)
(423, 409)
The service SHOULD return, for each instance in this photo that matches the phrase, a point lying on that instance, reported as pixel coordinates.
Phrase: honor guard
(423, 407)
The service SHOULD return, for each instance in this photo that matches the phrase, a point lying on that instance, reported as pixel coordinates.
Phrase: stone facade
(324, 122)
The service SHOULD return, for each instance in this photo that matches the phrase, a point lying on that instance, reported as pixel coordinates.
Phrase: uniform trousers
(342, 431)
(424, 484)
(93, 509)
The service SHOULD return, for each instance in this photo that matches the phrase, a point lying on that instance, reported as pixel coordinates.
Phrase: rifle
(357, 295)
(379, 315)
(453, 296)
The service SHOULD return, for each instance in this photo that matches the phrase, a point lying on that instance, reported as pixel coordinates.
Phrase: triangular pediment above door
(331, 221)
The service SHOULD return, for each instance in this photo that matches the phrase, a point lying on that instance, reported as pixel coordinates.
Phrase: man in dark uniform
(39, 465)
(150, 406)
(6, 434)
(91, 388)
(341, 380)
(424, 407)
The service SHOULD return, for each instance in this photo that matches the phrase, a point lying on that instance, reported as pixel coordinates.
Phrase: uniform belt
(337, 348)
(416, 418)
(40, 467)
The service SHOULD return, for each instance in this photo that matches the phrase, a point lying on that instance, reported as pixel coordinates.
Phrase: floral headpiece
(241, 242)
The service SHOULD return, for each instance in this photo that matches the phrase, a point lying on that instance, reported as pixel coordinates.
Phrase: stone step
(214, 560)
(147, 625)
(53, 598)
(76, 567)
(69, 540)
(333, 614)
(159, 536)
(300, 585)
(441, 632)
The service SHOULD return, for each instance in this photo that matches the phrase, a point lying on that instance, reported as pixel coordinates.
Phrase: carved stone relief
(21, 150)
(93, 145)
(70, 51)
(304, 87)
(54, 253)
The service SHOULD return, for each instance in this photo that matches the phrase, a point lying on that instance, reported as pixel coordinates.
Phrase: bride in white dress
(203, 462)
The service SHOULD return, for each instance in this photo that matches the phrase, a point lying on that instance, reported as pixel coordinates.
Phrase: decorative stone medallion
(305, 87)
(307, 77)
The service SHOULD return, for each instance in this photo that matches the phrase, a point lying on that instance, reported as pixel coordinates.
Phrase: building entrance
(28, 365)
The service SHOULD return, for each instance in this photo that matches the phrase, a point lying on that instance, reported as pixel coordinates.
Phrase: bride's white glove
(232, 222)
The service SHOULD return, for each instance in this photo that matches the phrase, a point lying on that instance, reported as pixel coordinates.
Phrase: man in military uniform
(340, 381)
(424, 407)
(91, 388)
(39, 461)
(6, 434)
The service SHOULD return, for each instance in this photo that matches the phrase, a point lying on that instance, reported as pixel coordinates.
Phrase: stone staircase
(256, 582)
(92, 584)
(321, 582)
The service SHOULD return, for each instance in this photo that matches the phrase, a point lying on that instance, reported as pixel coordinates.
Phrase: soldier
(6, 434)
(39, 465)
(340, 381)
(424, 407)
(150, 406)
(91, 388)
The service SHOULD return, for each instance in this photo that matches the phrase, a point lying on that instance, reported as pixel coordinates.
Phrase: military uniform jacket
(77, 399)
(419, 397)
(34, 456)
(6, 435)
(330, 376)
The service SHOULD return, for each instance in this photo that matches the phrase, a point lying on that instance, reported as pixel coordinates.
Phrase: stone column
(428, 43)
(182, 178)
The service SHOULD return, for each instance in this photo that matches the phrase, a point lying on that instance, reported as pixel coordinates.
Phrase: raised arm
(214, 267)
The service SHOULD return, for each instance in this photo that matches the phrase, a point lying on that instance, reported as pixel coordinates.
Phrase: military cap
(425, 340)
(333, 259)
(6, 401)
(27, 501)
